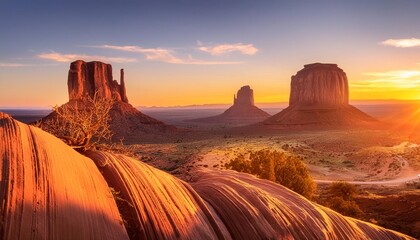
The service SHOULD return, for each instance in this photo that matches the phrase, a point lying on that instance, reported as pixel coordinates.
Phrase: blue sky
(196, 52)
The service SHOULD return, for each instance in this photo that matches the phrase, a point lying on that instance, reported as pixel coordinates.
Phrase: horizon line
(10, 107)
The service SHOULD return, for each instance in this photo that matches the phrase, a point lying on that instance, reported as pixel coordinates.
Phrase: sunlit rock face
(156, 204)
(127, 123)
(319, 83)
(319, 98)
(49, 191)
(243, 110)
(86, 78)
(252, 208)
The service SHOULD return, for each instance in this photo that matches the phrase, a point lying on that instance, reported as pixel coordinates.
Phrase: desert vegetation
(288, 170)
(340, 196)
(81, 124)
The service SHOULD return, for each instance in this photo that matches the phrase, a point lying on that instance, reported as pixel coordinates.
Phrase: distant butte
(243, 110)
(128, 123)
(319, 97)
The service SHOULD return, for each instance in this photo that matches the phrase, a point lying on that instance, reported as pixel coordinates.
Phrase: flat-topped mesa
(245, 96)
(86, 78)
(320, 84)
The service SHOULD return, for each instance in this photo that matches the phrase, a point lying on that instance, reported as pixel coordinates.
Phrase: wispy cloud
(403, 79)
(402, 43)
(156, 54)
(11, 65)
(163, 55)
(59, 57)
(216, 50)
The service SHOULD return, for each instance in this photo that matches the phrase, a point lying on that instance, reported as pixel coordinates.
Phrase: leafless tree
(81, 124)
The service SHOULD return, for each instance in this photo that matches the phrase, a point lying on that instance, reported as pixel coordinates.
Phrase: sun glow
(401, 84)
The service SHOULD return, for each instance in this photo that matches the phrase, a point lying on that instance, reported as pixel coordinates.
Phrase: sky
(188, 52)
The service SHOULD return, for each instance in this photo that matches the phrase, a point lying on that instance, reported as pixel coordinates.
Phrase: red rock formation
(244, 97)
(319, 83)
(88, 78)
(50, 191)
(319, 97)
(128, 123)
(243, 110)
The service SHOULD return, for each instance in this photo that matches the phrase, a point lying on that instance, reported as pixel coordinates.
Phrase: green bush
(287, 170)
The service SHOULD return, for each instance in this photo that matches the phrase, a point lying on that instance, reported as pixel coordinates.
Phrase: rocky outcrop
(319, 83)
(244, 97)
(88, 78)
(50, 191)
(243, 111)
(319, 97)
(127, 123)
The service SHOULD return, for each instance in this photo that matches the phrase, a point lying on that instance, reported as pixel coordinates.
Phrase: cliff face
(319, 97)
(319, 83)
(128, 123)
(86, 78)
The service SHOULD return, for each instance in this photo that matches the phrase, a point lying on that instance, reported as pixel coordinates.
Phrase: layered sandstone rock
(319, 96)
(50, 191)
(86, 78)
(243, 110)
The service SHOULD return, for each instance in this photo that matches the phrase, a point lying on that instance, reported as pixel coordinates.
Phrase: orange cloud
(402, 84)
(402, 43)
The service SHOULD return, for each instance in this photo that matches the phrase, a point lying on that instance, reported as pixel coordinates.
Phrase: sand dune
(49, 191)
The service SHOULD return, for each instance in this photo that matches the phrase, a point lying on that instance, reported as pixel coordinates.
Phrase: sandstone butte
(127, 123)
(319, 97)
(243, 110)
(50, 191)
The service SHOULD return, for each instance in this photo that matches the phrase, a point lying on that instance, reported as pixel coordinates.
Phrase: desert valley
(335, 141)
(201, 142)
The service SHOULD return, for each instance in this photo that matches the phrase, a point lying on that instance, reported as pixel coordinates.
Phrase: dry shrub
(81, 124)
(287, 170)
(340, 197)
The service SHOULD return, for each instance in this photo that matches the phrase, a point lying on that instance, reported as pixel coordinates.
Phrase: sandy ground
(350, 155)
